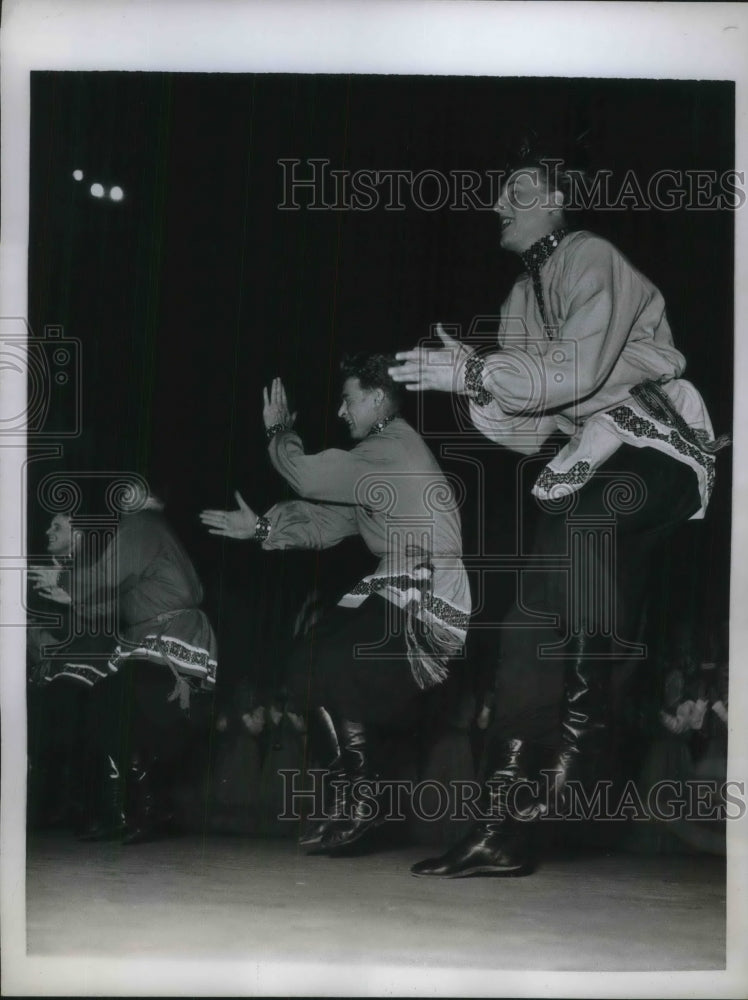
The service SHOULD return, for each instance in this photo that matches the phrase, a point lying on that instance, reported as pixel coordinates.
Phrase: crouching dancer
(392, 636)
(145, 705)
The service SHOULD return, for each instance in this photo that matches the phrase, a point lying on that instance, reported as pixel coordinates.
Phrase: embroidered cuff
(474, 380)
(271, 431)
(262, 529)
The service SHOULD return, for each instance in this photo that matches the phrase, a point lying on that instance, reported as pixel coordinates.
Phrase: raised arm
(603, 298)
(331, 475)
(457, 368)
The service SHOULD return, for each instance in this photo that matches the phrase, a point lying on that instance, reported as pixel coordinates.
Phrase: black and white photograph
(372, 516)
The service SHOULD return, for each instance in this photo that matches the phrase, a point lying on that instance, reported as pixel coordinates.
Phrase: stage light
(97, 190)
(78, 175)
(116, 194)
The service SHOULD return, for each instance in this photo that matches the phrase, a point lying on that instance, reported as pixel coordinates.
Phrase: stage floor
(237, 898)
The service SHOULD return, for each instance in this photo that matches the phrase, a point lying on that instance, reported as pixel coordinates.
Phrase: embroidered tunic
(390, 490)
(146, 580)
(574, 342)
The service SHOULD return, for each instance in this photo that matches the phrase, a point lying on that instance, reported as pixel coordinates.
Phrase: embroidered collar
(380, 425)
(535, 256)
(533, 259)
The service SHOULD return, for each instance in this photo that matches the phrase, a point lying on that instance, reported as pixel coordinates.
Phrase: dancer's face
(527, 210)
(59, 536)
(360, 408)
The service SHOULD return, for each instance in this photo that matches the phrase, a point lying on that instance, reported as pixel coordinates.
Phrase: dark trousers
(643, 495)
(354, 663)
(130, 713)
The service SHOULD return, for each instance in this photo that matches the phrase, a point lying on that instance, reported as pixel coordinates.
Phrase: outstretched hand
(426, 368)
(239, 523)
(57, 594)
(45, 577)
(275, 406)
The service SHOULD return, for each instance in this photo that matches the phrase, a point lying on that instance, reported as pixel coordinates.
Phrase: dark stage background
(195, 290)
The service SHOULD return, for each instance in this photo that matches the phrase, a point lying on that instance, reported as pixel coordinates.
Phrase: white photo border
(704, 41)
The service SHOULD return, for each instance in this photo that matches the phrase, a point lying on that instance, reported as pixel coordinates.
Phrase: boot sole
(341, 849)
(310, 844)
(518, 870)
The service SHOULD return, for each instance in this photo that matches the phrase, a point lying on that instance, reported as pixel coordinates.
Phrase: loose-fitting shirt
(146, 582)
(390, 490)
(606, 332)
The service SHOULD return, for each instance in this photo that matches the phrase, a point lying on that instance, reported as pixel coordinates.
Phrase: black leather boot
(107, 820)
(361, 807)
(584, 722)
(147, 816)
(333, 797)
(503, 843)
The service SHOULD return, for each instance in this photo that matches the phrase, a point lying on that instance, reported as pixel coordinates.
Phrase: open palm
(240, 523)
